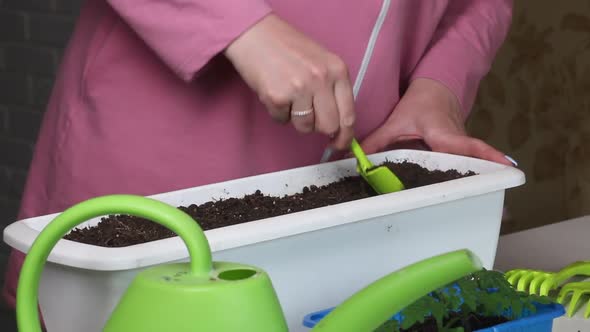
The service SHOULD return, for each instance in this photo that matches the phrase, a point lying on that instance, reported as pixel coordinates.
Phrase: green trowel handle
(166, 215)
(364, 162)
(368, 309)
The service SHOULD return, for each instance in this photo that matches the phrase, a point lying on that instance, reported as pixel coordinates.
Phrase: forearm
(464, 46)
(187, 34)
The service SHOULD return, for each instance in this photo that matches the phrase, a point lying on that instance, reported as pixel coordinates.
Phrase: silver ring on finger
(302, 113)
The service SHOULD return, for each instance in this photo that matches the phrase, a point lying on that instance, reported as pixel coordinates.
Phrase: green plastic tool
(542, 282)
(381, 178)
(576, 290)
(215, 296)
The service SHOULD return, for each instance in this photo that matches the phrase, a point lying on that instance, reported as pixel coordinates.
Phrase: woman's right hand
(293, 74)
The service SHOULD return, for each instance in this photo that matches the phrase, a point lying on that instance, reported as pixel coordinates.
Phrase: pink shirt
(144, 104)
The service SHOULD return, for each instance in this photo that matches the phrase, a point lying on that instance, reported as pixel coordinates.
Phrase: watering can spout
(366, 310)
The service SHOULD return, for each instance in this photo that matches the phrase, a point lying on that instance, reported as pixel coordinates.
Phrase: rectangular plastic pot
(315, 258)
(541, 321)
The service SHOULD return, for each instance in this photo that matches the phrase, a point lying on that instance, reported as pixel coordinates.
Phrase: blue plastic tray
(541, 321)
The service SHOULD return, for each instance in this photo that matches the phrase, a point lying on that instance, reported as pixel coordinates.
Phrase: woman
(155, 95)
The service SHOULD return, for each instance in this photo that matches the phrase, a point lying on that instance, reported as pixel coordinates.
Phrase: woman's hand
(429, 112)
(296, 79)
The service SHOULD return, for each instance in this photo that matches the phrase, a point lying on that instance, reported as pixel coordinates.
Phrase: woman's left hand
(430, 113)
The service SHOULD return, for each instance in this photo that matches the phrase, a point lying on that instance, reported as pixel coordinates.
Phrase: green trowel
(381, 178)
(218, 296)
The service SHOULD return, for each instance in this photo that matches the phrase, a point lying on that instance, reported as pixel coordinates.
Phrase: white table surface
(549, 248)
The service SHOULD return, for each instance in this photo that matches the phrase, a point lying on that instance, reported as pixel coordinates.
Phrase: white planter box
(316, 258)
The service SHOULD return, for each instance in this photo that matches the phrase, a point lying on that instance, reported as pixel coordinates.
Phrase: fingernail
(510, 159)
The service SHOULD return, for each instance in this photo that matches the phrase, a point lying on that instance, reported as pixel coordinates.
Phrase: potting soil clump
(124, 230)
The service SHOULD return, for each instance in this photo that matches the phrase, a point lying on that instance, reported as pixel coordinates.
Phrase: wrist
(241, 42)
(436, 94)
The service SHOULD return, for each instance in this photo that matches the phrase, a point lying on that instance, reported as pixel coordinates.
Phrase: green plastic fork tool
(577, 290)
(542, 282)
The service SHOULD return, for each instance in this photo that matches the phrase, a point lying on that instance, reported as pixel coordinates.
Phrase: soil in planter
(124, 230)
(475, 322)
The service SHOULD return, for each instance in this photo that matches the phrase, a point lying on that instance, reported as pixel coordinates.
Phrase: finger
(327, 120)
(408, 143)
(468, 146)
(399, 144)
(302, 114)
(279, 107)
(345, 103)
(279, 114)
(377, 140)
(481, 150)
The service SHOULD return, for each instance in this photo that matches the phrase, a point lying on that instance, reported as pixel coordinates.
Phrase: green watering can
(217, 296)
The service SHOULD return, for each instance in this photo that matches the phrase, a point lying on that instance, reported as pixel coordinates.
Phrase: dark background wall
(33, 34)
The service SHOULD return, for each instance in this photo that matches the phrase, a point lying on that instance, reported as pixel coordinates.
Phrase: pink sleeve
(464, 46)
(186, 34)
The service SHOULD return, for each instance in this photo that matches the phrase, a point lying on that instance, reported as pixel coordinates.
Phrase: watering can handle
(161, 213)
(366, 310)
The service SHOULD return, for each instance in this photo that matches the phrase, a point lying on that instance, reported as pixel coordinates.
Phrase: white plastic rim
(491, 177)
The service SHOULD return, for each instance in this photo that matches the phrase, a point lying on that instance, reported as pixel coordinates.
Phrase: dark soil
(123, 230)
(475, 322)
